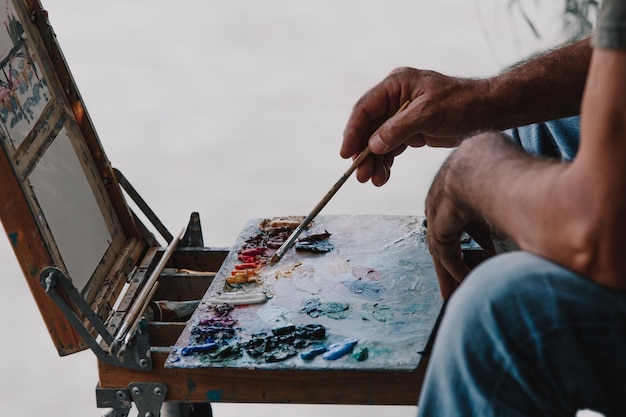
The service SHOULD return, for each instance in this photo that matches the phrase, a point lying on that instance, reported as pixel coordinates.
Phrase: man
(540, 331)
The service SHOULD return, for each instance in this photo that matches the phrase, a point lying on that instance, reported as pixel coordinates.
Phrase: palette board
(375, 290)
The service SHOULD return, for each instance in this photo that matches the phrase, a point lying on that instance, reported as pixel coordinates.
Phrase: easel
(91, 263)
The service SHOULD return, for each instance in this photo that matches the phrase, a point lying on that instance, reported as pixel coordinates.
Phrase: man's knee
(498, 279)
(499, 293)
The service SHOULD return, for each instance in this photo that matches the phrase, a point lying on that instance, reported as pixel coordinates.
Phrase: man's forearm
(547, 87)
(494, 178)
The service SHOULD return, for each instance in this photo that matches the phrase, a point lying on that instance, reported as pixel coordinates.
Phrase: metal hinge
(132, 352)
(147, 396)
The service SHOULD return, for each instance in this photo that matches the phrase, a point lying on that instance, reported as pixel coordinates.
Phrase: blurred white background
(236, 110)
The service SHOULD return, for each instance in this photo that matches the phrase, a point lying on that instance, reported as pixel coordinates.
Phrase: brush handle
(316, 210)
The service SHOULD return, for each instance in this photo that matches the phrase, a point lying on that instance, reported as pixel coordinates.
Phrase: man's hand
(440, 113)
(444, 109)
(447, 219)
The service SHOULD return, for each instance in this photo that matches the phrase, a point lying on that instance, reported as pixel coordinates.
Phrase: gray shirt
(611, 27)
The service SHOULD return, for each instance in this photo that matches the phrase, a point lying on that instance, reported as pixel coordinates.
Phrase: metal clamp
(147, 396)
(134, 353)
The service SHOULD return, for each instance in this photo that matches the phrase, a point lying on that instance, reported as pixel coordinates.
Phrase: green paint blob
(360, 354)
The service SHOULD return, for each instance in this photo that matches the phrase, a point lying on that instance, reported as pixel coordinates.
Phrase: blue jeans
(523, 336)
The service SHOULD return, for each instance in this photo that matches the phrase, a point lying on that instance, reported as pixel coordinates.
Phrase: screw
(121, 395)
(149, 414)
(143, 363)
(50, 282)
(158, 391)
(136, 390)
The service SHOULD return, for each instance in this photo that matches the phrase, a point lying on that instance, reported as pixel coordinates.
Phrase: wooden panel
(267, 386)
(25, 223)
(32, 255)
(182, 287)
(58, 65)
(164, 334)
(200, 259)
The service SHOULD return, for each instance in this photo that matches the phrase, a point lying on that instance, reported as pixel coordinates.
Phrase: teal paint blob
(13, 237)
(191, 385)
(360, 354)
(215, 395)
(335, 310)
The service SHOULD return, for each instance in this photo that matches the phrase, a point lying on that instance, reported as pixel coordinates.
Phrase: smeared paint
(275, 315)
(288, 271)
(305, 282)
(335, 310)
(364, 272)
(377, 311)
(365, 289)
(256, 251)
(302, 278)
(338, 350)
(315, 247)
(221, 316)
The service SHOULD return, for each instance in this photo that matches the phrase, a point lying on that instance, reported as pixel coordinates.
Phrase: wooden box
(95, 268)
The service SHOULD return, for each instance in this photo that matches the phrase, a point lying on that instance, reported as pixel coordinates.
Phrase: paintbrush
(316, 210)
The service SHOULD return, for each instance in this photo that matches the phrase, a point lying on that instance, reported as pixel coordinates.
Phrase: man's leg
(556, 138)
(525, 337)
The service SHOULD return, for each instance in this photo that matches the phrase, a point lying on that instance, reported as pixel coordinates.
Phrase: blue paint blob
(337, 350)
(209, 346)
(316, 350)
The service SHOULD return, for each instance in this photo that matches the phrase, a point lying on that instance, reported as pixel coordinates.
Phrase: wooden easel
(91, 263)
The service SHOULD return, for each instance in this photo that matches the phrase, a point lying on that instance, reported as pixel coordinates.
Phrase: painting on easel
(23, 89)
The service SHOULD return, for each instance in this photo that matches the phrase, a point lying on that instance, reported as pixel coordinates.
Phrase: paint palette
(374, 295)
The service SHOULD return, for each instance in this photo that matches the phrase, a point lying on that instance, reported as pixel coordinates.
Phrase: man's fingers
(453, 263)
(447, 284)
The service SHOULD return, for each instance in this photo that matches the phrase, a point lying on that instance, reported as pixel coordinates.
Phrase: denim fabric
(524, 337)
(554, 139)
